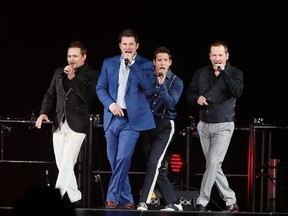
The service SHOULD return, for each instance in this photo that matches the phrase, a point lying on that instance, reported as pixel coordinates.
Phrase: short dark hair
(216, 43)
(79, 44)
(128, 33)
(162, 49)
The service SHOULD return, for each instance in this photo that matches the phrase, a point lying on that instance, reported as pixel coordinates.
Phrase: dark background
(35, 37)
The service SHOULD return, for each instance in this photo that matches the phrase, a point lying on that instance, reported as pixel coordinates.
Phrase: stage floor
(9, 211)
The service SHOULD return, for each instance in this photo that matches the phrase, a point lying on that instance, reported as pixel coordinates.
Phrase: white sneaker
(173, 207)
(142, 206)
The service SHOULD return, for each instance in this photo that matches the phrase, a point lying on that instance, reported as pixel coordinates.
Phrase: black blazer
(76, 104)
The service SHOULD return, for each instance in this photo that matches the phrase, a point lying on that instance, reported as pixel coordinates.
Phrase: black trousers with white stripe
(155, 143)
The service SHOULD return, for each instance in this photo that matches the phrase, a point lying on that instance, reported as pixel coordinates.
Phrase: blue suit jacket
(140, 78)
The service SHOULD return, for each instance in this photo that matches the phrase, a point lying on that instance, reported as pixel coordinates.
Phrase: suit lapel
(115, 76)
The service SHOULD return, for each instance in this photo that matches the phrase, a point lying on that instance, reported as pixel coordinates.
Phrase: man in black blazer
(69, 100)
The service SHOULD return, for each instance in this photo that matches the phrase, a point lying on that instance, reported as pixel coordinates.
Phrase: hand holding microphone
(218, 66)
(69, 71)
(64, 72)
(160, 76)
(127, 58)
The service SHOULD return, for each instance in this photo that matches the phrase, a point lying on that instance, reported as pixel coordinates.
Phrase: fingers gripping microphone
(126, 60)
(161, 72)
(219, 69)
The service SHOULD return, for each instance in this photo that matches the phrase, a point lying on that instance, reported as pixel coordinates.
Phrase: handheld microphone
(61, 75)
(126, 60)
(219, 68)
(160, 74)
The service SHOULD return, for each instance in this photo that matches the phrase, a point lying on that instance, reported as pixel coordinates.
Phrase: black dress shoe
(200, 208)
(77, 204)
(232, 208)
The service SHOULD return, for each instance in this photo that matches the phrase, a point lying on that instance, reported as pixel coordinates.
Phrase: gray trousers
(215, 139)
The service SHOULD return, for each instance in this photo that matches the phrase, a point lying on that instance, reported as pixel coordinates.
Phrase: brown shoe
(111, 205)
(129, 206)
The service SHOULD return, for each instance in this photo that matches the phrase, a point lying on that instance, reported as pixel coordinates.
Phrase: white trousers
(67, 145)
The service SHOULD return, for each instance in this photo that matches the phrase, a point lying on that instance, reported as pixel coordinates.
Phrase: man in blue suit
(121, 89)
